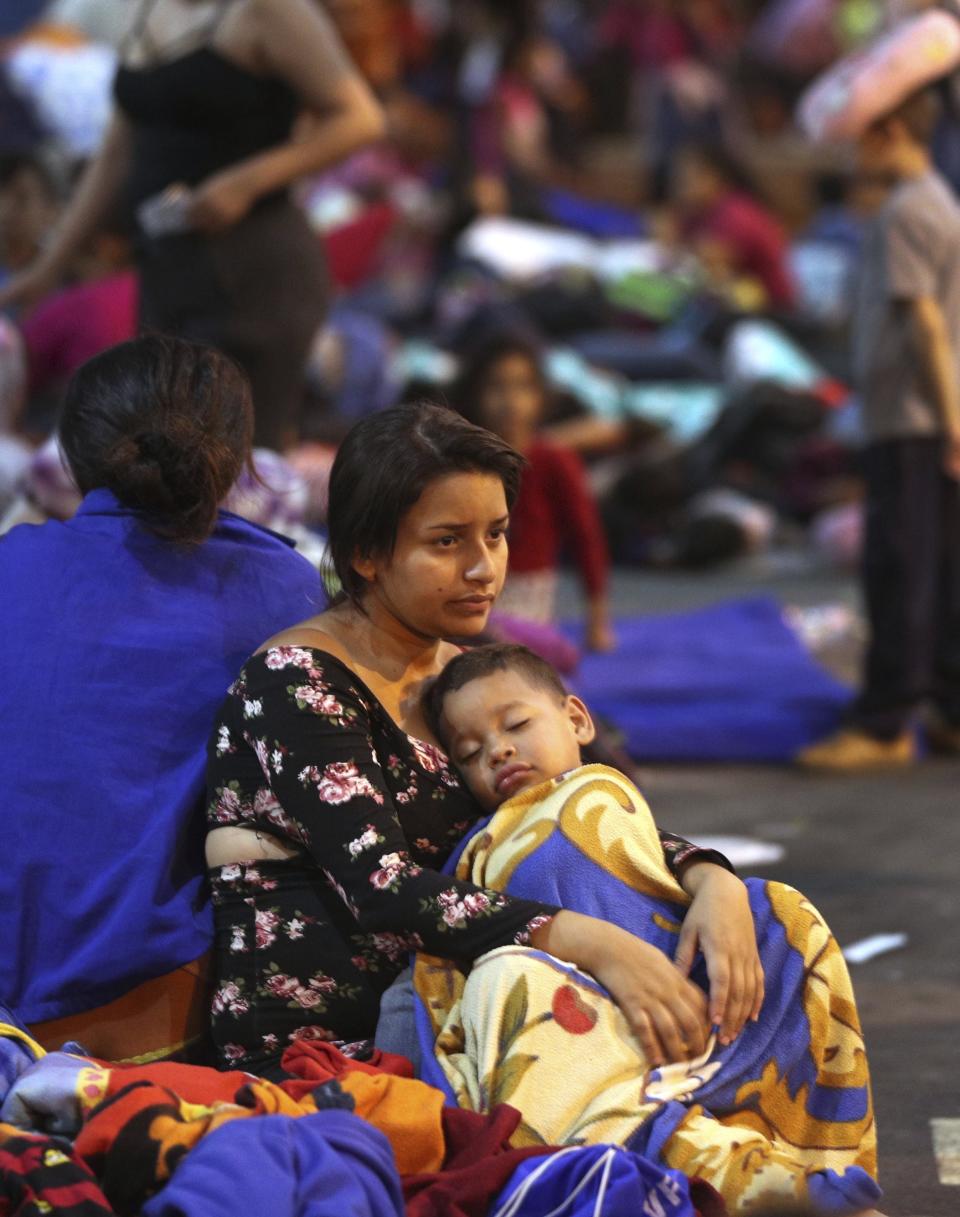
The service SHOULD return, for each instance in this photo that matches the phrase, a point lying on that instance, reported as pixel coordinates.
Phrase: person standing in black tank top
(222, 105)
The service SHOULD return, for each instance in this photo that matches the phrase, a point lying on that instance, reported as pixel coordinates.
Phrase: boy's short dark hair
(484, 661)
(919, 113)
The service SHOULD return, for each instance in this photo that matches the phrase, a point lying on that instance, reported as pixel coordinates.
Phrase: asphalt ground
(877, 854)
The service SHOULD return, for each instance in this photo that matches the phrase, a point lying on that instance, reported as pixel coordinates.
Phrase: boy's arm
(937, 360)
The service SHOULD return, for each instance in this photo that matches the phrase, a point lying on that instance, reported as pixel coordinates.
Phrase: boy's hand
(720, 924)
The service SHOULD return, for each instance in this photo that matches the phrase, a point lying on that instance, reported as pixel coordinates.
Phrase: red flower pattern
(571, 1012)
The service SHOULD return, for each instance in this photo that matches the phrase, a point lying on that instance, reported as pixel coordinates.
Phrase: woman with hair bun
(120, 630)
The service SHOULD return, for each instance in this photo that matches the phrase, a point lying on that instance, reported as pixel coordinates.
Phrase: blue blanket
(727, 683)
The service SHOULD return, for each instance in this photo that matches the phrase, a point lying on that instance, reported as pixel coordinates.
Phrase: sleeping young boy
(511, 728)
(581, 837)
(515, 734)
(506, 721)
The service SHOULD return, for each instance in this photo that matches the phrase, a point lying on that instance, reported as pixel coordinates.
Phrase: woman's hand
(221, 201)
(666, 1011)
(720, 924)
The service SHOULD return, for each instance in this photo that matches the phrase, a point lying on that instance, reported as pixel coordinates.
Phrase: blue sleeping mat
(727, 683)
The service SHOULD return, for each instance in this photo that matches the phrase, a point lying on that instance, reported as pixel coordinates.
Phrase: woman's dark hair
(164, 424)
(468, 389)
(385, 464)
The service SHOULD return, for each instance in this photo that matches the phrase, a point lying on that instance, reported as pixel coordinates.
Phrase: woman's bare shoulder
(318, 633)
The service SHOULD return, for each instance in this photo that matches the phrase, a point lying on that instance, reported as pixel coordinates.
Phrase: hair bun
(155, 446)
(165, 425)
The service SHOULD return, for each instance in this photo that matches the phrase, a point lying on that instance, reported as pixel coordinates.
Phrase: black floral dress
(304, 948)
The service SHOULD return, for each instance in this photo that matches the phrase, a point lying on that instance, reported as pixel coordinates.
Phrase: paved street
(877, 854)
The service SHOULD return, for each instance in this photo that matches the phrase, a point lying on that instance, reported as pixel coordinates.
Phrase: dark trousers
(257, 291)
(911, 575)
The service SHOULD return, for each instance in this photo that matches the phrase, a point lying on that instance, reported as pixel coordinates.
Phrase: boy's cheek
(484, 796)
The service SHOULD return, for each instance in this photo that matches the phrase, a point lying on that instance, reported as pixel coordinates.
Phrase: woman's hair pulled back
(385, 464)
(164, 424)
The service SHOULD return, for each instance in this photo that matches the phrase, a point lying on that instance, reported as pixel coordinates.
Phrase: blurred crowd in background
(592, 226)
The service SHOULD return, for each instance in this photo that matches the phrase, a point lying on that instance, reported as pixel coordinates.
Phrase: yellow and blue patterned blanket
(783, 1113)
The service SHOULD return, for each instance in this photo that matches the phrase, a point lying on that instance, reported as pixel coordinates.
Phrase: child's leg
(947, 676)
(901, 569)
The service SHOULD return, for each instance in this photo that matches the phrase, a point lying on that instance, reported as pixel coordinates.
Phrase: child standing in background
(907, 357)
(503, 389)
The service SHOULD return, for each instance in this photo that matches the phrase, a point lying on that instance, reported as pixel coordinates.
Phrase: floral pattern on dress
(434, 760)
(368, 839)
(523, 936)
(392, 870)
(317, 698)
(312, 994)
(230, 999)
(458, 908)
(288, 657)
(339, 782)
(374, 950)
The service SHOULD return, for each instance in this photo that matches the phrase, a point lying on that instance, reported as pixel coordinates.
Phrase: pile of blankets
(83, 1138)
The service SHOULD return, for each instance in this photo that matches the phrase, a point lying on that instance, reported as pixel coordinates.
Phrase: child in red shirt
(503, 389)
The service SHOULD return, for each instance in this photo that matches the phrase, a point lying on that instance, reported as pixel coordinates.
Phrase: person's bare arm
(932, 340)
(300, 45)
(96, 194)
